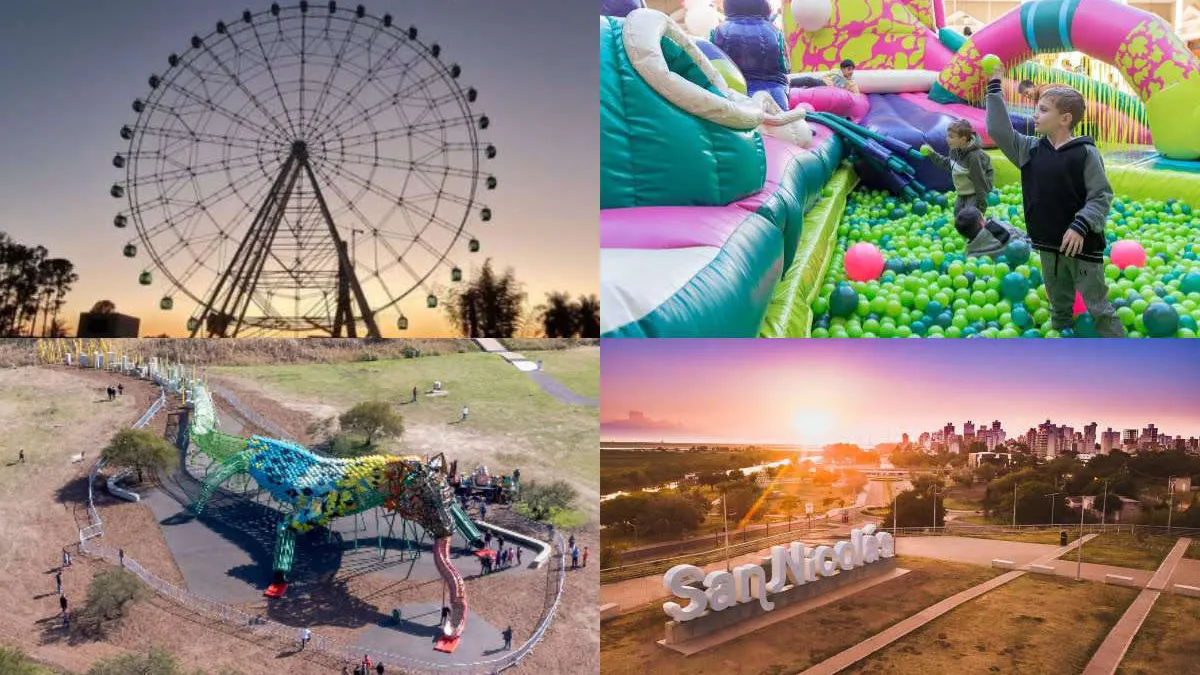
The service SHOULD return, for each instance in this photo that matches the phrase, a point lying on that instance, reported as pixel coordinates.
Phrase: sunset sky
(811, 392)
(71, 71)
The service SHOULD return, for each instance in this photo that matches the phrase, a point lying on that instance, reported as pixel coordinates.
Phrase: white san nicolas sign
(795, 564)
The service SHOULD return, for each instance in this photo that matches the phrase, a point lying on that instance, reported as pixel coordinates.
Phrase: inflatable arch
(1165, 75)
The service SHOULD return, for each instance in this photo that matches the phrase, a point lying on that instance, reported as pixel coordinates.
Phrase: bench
(1003, 564)
(1187, 590)
(1041, 569)
(1119, 580)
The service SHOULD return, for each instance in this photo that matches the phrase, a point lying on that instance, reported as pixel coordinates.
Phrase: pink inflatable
(840, 102)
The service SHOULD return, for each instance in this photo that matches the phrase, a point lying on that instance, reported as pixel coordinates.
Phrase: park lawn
(578, 368)
(1036, 537)
(1168, 641)
(1193, 550)
(627, 643)
(1029, 625)
(965, 499)
(505, 405)
(972, 520)
(1124, 550)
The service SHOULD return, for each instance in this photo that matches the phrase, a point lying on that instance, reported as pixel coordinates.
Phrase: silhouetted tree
(30, 283)
(488, 306)
(587, 316)
(104, 307)
(558, 316)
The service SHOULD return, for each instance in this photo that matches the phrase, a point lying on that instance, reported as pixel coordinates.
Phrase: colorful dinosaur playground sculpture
(312, 490)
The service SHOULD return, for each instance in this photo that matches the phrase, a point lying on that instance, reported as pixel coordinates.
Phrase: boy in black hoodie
(1067, 197)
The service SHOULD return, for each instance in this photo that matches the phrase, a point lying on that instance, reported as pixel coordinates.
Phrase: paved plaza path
(1112, 650)
(862, 650)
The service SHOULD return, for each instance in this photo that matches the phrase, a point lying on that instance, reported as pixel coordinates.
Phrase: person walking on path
(507, 638)
(66, 621)
(305, 636)
(571, 541)
(585, 555)
(414, 398)
(518, 556)
(379, 668)
(58, 581)
(62, 602)
(120, 389)
(575, 558)
(21, 456)
(66, 558)
(465, 411)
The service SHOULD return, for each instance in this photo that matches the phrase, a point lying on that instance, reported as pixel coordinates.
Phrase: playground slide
(466, 526)
(448, 640)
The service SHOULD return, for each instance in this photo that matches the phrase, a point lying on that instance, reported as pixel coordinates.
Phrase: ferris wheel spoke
(329, 77)
(274, 81)
(369, 160)
(320, 119)
(157, 104)
(238, 82)
(339, 124)
(362, 82)
(210, 104)
(347, 201)
(203, 137)
(196, 171)
(392, 133)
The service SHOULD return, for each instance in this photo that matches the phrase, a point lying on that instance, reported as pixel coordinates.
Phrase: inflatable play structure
(311, 490)
(735, 180)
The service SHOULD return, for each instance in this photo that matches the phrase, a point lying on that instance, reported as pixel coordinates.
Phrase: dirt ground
(42, 507)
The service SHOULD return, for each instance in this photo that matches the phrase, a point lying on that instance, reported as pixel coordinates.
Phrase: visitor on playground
(305, 636)
(507, 634)
(1066, 199)
(985, 237)
(845, 78)
(1033, 92)
(969, 166)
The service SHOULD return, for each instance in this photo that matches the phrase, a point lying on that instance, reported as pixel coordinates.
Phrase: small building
(108, 325)
(975, 459)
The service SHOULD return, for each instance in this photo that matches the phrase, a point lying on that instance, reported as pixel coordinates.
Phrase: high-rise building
(1151, 434)
(968, 432)
(1089, 437)
(904, 439)
(1130, 440)
(995, 425)
(948, 431)
(1109, 440)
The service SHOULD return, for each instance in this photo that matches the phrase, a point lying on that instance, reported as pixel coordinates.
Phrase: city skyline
(80, 69)
(814, 392)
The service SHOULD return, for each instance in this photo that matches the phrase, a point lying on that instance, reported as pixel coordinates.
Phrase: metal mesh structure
(303, 169)
(338, 649)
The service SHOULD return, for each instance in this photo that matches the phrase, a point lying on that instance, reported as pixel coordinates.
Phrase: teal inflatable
(642, 137)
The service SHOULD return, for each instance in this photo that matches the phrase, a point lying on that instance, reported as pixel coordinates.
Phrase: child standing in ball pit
(1066, 198)
(969, 166)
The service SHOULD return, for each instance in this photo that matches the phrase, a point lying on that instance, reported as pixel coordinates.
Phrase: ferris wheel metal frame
(273, 194)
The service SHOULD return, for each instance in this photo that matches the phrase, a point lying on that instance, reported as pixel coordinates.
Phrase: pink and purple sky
(71, 71)
(812, 392)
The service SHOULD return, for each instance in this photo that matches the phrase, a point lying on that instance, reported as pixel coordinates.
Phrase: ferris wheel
(303, 169)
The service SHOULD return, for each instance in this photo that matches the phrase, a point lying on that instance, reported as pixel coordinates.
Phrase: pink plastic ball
(864, 262)
(1079, 307)
(1127, 253)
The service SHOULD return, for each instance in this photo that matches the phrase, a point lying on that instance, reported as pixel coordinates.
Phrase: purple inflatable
(619, 7)
(756, 46)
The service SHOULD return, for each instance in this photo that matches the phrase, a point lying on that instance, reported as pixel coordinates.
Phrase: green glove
(926, 150)
(992, 65)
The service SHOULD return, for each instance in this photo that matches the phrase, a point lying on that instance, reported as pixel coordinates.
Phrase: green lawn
(578, 368)
(627, 643)
(1168, 641)
(1124, 550)
(511, 420)
(1193, 551)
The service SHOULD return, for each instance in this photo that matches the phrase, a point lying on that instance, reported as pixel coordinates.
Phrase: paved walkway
(561, 392)
(1112, 650)
(862, 650)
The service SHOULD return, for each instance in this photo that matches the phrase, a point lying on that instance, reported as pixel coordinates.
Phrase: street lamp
(1079, 549)
(1052, 495)
(935, 496)
(1170, 501)
(1015, 488)
(1104, 504)
(725, 521)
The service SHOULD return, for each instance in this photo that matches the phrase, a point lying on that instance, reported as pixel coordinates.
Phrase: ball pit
(928, 288)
